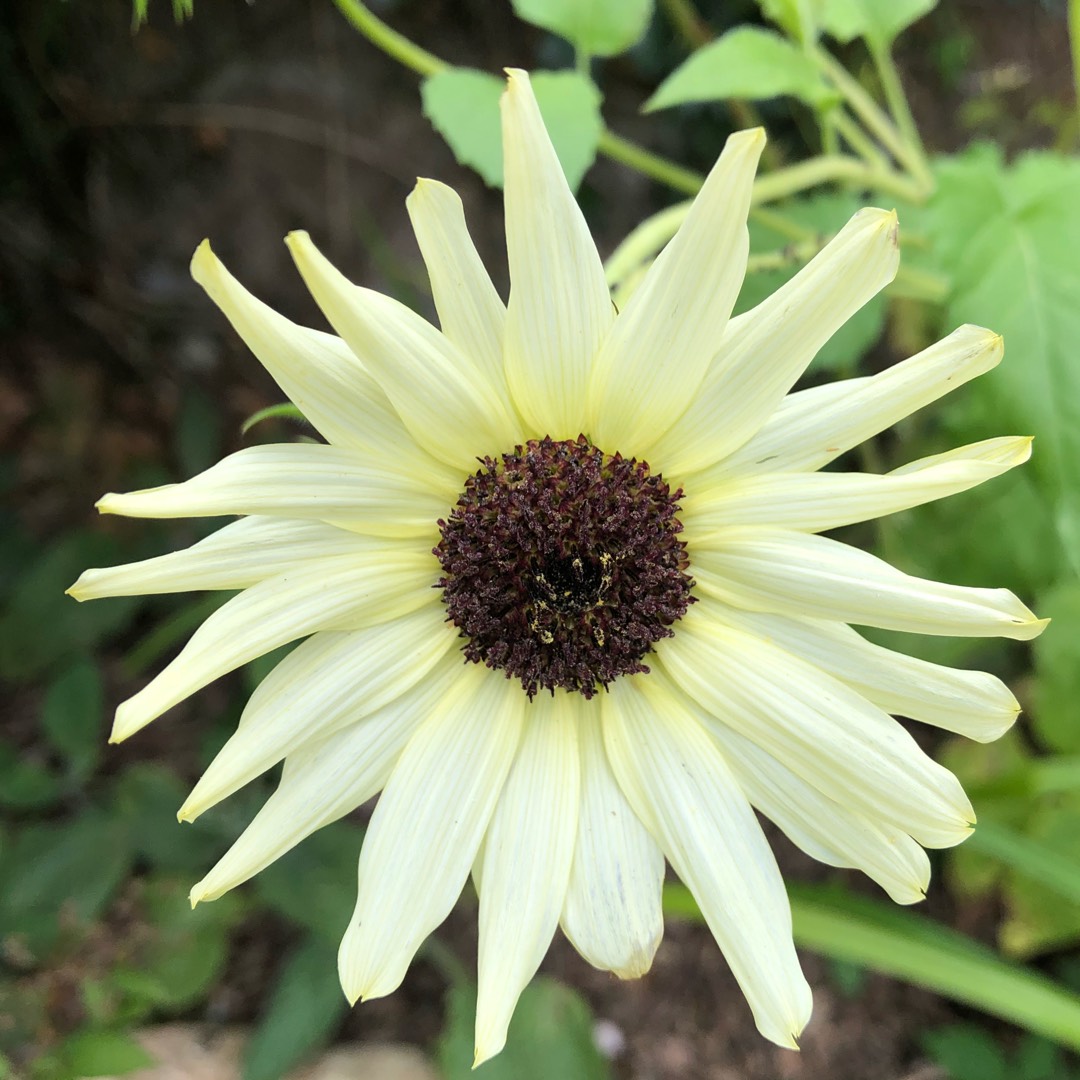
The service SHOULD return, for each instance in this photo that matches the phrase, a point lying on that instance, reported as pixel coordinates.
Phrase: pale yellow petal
(653, 360)
(794, 574)
(680, 786)
(317, 371)
(815, 502)
(765, 350)
(560, 308)
(471, 314)
(528, 850)
(450, 407)
(812, 427)
(427, 828)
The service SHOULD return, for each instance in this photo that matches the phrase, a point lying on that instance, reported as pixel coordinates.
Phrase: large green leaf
(878, 21)
(1056, 712)
(911, 947)
(748, 62)
(463, 107)
(550, 1036)
(594, 27)
(1010, 237)
(72, 715)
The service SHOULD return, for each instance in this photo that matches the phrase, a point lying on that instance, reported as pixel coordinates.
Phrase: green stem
(898, 104)
(688, 23)
(649, 164)
(871, 114)
(390, 41)
(829, 168)
(644, 242)
(857, 139)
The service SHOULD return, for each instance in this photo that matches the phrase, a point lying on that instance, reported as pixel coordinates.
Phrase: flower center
(562, 565)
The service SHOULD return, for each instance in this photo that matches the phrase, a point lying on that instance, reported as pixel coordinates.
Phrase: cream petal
(821, 827)
(471, 314)
(765, 350)
(815, 502)
(528, 849)
(331, 594)
(975, 704)
(814, 426)
(427, 828)
(677, 781)
(317, 371)
(327, 778)
(237, 555)
(794, 574)
(560, 308)
(443, 397)
(613, 914)
(653, 360)
(328, 682)
(819, 728)
(303, 480)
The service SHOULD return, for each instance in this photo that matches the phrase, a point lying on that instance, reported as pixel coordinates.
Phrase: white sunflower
(654, 633)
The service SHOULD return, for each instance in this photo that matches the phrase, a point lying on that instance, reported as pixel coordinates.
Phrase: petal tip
(204, 262)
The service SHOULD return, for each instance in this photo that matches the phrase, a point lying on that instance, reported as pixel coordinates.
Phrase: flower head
(615, 637)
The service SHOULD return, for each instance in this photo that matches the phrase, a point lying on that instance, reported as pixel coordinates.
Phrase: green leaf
(40, 625)
(146, 798)
(593, 27)
(748, 62)
(315, 883)
(1009, 237)
(826, 214)
(1038, 1059)
(304, 1009)
(911, 947)
(54, 875)
(73, 713)
(285, 411)
(103, 1053)
(550, 1036)
(185, 951)
(797, 18)
(1057, 686)
(463, 106)
(878, 21)
(966, 1052)
(24, 784)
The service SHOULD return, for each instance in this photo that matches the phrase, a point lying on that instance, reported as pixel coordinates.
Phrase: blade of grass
(911, 947)
(1029, 857)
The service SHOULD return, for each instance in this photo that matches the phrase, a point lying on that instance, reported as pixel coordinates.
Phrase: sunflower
(614, 639)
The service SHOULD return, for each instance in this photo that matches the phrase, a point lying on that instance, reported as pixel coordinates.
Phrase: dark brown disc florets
(562, 565)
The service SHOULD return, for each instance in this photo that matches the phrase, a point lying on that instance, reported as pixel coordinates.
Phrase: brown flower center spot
(562, 565)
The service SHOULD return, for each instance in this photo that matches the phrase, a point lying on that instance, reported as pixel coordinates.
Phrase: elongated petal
(821, 827)
(818, 501)
(237, 555)
(327, 778)
(302, 480)
(331, 594)
(812, 427)
(971, 703)
(427, 828)
(794, 574)
(680, 786)
(819, 728)
(450, 407)
(528, 849)
(471, 314)
(613, 914)
(559, 309)
(765, 350)
(656, 354)
(326, 683)
(317, 371)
